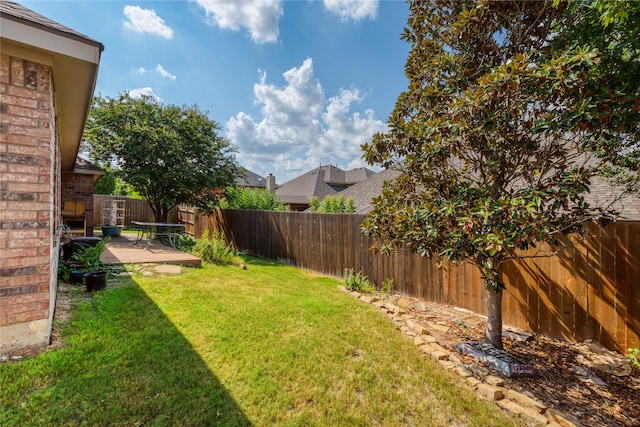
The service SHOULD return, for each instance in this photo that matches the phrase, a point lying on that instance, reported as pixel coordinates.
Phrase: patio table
(158, 229)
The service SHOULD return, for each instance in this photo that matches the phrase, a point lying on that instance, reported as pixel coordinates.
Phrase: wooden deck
(121, 250)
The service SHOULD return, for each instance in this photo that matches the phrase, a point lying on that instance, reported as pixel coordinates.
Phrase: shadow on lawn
(123, 363)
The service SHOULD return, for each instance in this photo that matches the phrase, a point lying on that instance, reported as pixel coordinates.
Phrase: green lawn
(270, 345)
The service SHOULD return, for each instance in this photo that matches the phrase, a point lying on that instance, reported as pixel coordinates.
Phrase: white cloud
(140, 70)
(300, 129)
(144, 91)
(164, 73)
(146, 21)
(259, 17)
(354, 10)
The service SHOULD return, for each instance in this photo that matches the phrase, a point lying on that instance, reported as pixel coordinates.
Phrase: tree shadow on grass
(123, 363)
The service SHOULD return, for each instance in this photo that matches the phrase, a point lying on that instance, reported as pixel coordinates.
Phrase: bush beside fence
(590, 288)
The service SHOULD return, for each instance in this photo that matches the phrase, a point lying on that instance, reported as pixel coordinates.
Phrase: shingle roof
(251, 179)
(320, 182)
(363, 192)
(19, 13)
(601, 193)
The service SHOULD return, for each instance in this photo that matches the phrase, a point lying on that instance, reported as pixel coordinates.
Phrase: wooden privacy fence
(589, 289)
(135, 209)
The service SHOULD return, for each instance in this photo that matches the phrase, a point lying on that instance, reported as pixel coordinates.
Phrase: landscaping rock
(494, 381)
(563, 419)
(447, 364)
(529, 415)
(594, 355)
(525, 401)
(462, 372)
(489, 392)
(473, 381)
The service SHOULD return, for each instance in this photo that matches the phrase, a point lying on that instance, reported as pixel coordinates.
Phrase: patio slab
(121, 250)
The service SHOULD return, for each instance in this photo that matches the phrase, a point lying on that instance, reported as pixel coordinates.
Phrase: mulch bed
(559, 386)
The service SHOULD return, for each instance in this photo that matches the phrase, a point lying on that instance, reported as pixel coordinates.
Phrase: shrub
(214, 250)
(247, 198)
(357, 281)
(634, 357)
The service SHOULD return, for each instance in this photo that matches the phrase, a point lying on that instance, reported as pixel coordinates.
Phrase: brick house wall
(29, 218)
(78, 187)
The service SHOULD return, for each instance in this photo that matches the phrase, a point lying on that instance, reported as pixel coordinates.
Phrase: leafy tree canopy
(492, 137)
(332, 204)
(251, 198)
(612, 27)
(169, 154)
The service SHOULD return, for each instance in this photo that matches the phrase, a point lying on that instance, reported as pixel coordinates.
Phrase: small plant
(387, 286)
(357, 281)
(214, 250)
(634, 357)
(89, 256)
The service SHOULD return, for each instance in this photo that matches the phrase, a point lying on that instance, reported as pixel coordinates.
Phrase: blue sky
(293, 84)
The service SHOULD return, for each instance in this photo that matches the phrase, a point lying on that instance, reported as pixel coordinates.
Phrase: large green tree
(168, 154)
(613, 28)
(491, 136)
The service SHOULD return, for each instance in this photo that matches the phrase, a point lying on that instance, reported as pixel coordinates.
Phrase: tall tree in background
(169, 154)
(491, 137)
(613, 28)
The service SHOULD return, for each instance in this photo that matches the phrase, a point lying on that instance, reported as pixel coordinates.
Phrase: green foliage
(357, 281)
(89, 256)
(214, 250)
(332, 204)
(387, 286)
(634, 357)
(251, 198)
(314, 206)
(611, 27)
(169, 154)
(490, 136)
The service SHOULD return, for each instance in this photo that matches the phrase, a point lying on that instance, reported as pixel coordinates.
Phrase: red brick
(24, 299)
(44, 251)
(21, 177)
(27, 146)
(28, 316)
(20, 252)
(18, 121)
(5, 68)
(26, 243)
(19, 101)
(27, 93)
(21, 144)
(28, 261)
(18, 110)
(18, 308)
(26, 280)
(26, 187)
(17, 216)
(34, 132)
(17, 72)
(23, 234)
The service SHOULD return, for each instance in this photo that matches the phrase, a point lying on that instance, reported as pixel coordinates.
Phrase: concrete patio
(123, 250)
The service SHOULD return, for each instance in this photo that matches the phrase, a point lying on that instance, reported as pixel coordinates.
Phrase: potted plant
(95, 271)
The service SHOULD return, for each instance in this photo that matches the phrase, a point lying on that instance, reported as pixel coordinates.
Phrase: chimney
(271, 183)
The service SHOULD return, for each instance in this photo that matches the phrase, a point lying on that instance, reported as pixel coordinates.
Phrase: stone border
(486, 386)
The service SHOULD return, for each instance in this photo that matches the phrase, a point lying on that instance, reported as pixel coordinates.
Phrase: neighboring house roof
(85, 167)
(601, 193)
(73, 58)
(320, 182)
(363, 192)
(251, 179)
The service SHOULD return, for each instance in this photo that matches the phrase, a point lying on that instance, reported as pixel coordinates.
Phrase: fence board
(589, 289)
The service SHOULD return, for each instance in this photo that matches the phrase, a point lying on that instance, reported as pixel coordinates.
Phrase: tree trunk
(493, 332)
